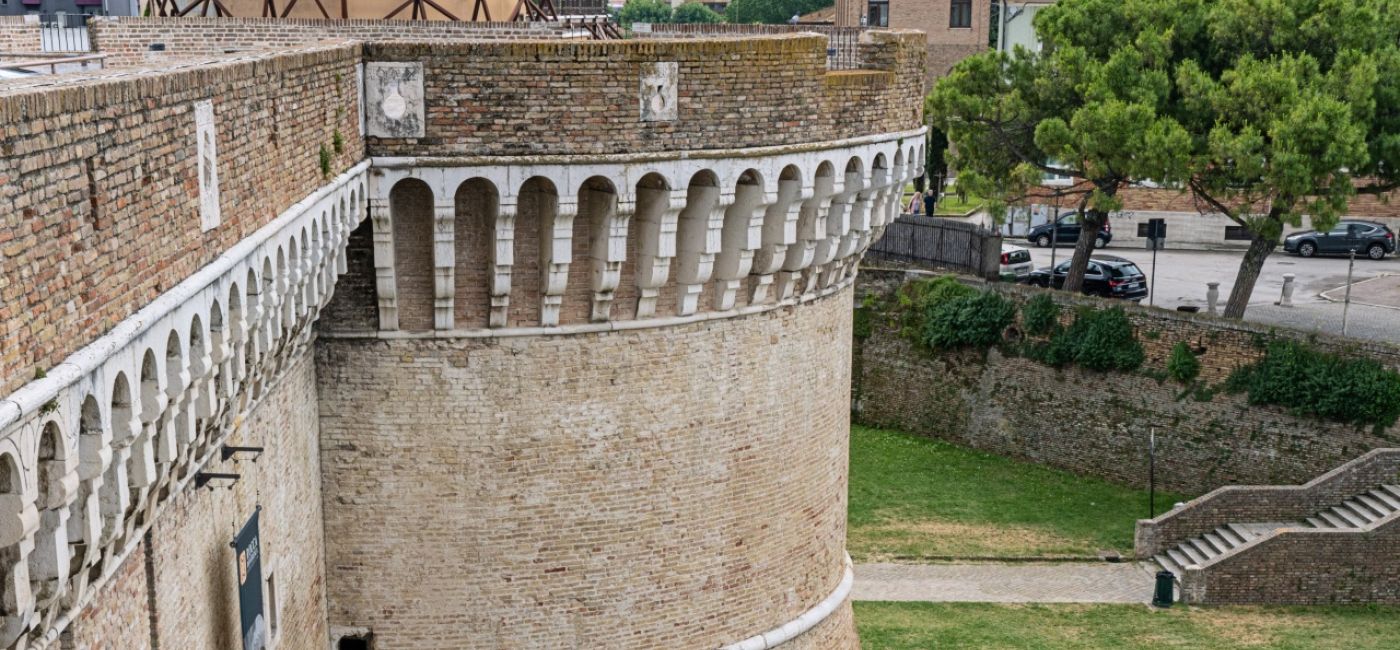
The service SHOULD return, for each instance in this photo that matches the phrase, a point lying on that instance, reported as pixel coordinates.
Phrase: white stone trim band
(808, 620)
(587, 328)
(412, 162)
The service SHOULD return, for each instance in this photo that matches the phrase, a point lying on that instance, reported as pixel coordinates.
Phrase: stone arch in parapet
(697, 242)
(651, 244)
(599, 243)
(854, 178)
(14, 587)
(115, 493)
(536, 209)
(740, 236)
(48, 564)
(411, 213)
(85, 515)
(476, 208)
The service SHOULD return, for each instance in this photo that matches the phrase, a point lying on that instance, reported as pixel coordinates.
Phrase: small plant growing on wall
(338, 141)
(325, 159)
(1183, 366)
(1098, 339)
(1041, 315)
(1307, 381)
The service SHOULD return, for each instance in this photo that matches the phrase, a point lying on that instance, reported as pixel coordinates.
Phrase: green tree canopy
(694, 12)
(644, 11)
(772, 12)
(1264, 109)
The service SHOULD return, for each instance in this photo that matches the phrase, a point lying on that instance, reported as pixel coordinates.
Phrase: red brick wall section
(568, 97)
(19, 34)
(96, 228)
(1098, 423)
(127, 40)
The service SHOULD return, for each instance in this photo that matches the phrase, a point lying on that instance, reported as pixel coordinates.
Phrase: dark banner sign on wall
(247, 547)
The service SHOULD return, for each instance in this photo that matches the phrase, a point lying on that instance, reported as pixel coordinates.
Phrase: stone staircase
(1354, 513)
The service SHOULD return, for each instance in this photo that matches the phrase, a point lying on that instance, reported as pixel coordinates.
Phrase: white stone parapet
(742, 227)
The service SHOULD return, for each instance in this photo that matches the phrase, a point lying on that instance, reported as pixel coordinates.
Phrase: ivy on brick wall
(1307, 381)
(1041, 315)
(1183, 366)
(1098, 339)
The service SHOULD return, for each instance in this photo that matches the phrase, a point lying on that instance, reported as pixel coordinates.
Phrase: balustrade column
(779, 232)
(385, 281)
(444, 264)
(838, 222)
(658, 210)
(742, 234)
(556, 253)
(811, 231)
(17, 530)
(609, 248)
(49, 567)
(697, 242)
(502, 259)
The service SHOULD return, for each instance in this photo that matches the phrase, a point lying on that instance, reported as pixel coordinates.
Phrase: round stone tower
(586, 381)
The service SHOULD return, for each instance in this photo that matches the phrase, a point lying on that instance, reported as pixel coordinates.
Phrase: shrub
(1041, 315)
(967, 320)
(644, 11)
(1308, 382)
(324, 159)
(694, 12)
(1183, 365)
(1099, 339)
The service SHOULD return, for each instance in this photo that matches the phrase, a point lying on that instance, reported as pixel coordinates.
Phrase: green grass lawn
(923, 626)
(951, 206)
(912, 497)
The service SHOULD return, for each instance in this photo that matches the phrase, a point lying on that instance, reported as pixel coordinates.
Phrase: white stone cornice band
(587, 328)
(808, 620)
(398, 162)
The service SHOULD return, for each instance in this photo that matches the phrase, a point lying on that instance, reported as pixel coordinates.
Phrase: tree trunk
(1250, 266)
(1083, 248)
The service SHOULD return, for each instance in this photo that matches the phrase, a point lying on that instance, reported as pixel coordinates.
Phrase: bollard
(1162, 595)
(1286, 300)
(1212, 296)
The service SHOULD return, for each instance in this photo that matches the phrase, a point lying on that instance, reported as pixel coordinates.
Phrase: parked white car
(1015, 261)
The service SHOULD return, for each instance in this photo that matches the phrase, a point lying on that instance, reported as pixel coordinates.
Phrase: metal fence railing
(842, 50)
(942, 243)
(63, 32)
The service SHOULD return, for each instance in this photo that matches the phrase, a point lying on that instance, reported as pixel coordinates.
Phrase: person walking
(916, 201)
(930, 198)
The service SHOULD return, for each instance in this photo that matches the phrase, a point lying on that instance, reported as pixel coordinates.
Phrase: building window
(960, 14)
(879, 14)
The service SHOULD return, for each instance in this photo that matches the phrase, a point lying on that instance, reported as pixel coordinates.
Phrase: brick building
(506, 343)
(955, 29)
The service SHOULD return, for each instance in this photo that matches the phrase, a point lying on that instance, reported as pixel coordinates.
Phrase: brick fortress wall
(670, 487)
(573, 97)
(127, 40)
(1098, 423)
(98, 173)
(183, 580)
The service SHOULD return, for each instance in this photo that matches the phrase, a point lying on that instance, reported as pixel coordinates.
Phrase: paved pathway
(1064, 582)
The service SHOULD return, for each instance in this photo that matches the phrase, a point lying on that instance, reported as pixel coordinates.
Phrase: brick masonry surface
(1305, 567)
(570, 97)
(679, 487)
(127, 40)
(1098, 423)
(946, 45)
(183, 579)
(98, 180)
(19, 34)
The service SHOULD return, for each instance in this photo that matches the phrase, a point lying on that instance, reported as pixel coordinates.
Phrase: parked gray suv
(1374, 240)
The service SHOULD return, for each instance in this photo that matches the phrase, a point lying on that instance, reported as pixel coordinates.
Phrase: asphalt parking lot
(1181, 278)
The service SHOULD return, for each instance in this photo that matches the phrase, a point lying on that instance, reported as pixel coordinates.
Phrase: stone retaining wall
(1098, 423)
